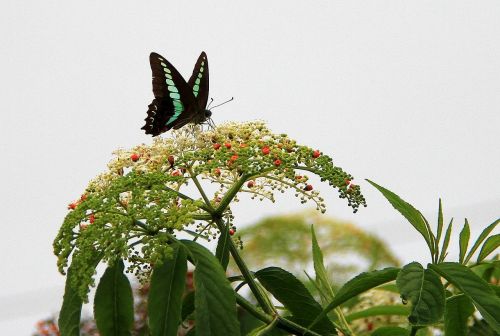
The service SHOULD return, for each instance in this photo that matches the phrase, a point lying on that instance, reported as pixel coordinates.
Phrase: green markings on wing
(196, 86)
(173, 93)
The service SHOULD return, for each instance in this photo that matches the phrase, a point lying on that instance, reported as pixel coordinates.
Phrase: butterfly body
(176, 101)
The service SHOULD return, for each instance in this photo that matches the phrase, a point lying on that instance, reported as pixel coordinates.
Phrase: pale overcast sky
(406, 93)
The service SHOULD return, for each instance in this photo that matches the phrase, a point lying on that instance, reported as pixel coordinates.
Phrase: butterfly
(176, 102)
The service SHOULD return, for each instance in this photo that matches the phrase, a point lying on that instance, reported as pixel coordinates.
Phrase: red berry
(171, 160)
(250, 184)
(298, 177)
(91, 218)
(243, 145)
(216, 146)
(217, 171)
(234, 157)
(228, 145)
(72, 206)
(347, 181)
(134, 157)
(277, 162)
(316, 154)
(231, 232)
(83, 197)
(308, 187)
(265, 150)
(176, 173)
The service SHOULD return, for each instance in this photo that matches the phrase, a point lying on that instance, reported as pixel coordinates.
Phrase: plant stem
(200, 189)
(228, 197)
(268, 319)
(259, 295)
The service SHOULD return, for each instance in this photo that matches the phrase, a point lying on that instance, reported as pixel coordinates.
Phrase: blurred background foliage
(285, 241)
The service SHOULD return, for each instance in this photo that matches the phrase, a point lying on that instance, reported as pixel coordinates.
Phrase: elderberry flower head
(134, 210)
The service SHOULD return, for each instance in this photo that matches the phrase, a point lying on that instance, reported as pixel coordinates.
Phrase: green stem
(343, 322)
(228, 197)
(268, 319)
(259, 295)
(413, 331)
(208, 208)
(254, 311)
(287, 325)
(200, 189)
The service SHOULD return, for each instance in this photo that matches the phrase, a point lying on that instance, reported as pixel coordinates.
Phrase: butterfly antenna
(211, 101)
(227, 101)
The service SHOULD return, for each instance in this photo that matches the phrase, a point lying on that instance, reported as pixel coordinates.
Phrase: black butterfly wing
(199, 81)
(199, 85)
(173, 98)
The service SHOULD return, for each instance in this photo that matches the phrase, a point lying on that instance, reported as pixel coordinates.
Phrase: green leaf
(215, 301)
(288, 290)
(69, 316)
(480, 239)
(379, 311)
(390, 331)
(423, 288)
(440, 223)
(481, 328)
(114, 303)
(322, 282)
(464, 240)
(446, 241)
(222, 250)
(266, 330)
(390, 287)
(409, 212)
(458, 310)
(187, 305)
(168, 283)
(475, 288)
(490, 245)
(357, 285)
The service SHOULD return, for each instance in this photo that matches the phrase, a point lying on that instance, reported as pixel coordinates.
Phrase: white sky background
(406, 93)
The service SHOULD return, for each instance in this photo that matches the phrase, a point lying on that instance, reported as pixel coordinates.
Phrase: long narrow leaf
(423, 288)
(215, 300)
(69, 316)
(458, 310)
(446, 241)
(114, 303)
(322, 282)
(222, 250)
(358, 285)
(475, 288)
(168, 283)
(413, 216)
(383, 310)
(490, 245)
(480, 239)
(440, 223)
(464, 240)
(288, 290)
